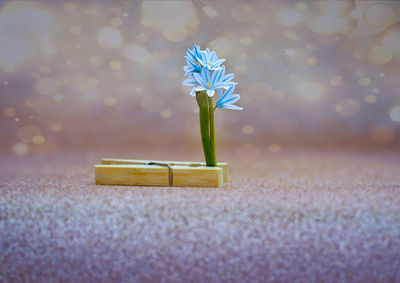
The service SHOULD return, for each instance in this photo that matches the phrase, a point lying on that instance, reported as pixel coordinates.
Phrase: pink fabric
(300, 216)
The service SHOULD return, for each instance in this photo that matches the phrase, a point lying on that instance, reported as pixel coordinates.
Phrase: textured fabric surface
(299, 216)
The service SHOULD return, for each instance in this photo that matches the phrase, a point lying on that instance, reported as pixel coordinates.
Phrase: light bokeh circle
(379, 15)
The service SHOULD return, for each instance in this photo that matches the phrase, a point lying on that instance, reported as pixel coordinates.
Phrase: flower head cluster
(205, 73)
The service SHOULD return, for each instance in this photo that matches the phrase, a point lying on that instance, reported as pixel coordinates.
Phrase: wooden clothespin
(160, 173)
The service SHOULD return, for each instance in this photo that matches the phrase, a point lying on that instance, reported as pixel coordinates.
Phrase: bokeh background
(96, 74)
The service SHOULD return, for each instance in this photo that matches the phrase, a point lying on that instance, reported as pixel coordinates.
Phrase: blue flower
(209, 59)
(193, 65)
(191, 68)
(197, 59)
(210, 82)
(227, 99)
(191, 81)
(192, 55)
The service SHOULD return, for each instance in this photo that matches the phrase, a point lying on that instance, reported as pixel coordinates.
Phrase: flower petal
(190, 82)
(228, 77)
(213, 76)
(207, 75)
(218, 75)
(210, 92)
(219, 93)
(230, 89)
(232, 99)
(199, 78)
(233, 107)
(219, 62)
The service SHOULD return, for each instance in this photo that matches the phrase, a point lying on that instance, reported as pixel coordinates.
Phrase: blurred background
(95, 74)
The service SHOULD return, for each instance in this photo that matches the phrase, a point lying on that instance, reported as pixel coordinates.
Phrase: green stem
(213, 157)
(202, 101)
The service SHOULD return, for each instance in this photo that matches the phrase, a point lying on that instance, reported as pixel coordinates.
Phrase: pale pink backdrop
(109, 75)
